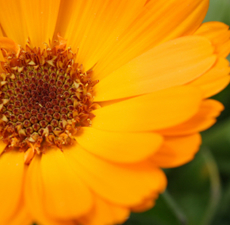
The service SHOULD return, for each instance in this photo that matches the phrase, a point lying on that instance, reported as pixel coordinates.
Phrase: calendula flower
(98, 96)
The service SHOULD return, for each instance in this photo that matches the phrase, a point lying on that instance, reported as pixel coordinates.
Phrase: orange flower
(78, 151)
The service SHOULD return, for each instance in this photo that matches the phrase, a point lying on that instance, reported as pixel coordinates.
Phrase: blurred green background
(198, 193)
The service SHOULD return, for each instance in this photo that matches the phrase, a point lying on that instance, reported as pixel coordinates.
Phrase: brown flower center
(45, 97)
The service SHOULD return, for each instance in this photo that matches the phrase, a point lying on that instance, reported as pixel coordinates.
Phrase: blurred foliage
(198, 193)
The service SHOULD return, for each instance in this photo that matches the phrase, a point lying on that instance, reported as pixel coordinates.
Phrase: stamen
(45, 97)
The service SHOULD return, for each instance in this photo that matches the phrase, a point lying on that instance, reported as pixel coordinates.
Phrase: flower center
(45, 97)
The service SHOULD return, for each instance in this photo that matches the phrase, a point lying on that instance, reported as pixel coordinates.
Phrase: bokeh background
(198, 193)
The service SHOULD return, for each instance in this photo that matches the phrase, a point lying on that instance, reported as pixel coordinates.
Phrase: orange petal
(9, 45)
(170, 64)
(157, 110)
(205, 118)
(2, 147)
(119, 147)
(218, 33)
(65, 195)
(28, 155)
(214, 80)
(177, 151)
(1, 56)
(94, 26)
(117, 183)
(11, 176)
(22, 217)
(158, 22)
(40, 23)
(106, 213)
(12, 21)
(146, 204)
(23, 19)
(34, 195)
(34, 191)
(216, 86)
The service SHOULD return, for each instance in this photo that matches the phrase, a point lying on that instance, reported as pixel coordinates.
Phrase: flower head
(96, 97)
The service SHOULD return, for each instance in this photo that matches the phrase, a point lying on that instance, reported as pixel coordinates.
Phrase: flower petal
(106, 213)
(177, 151)
(218, 33)
(170, 64)
(205, 118)
(23, 19)
(119, 147)
(216, 86)
(41, 22)
(214, 80)
(158, 22)
(9, 45)
(145, 204)
(117, 183)
(65, 195)
(22, 217)
(34, 195)
(153, 111)
(11, 176)
(96, 25)
(2, 147)
(34, 191)
(12, 21)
